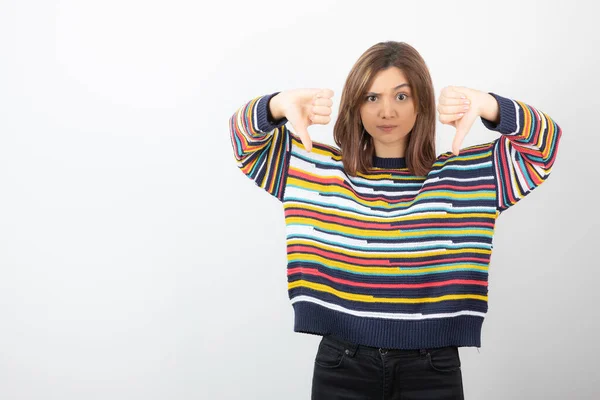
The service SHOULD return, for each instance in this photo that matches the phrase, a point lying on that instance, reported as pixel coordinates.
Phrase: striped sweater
(390, 259)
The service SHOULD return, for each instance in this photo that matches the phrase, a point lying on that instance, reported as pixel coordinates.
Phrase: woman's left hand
(459, 106)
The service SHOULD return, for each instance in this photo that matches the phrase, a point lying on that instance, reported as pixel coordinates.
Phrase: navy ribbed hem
(462, 331)
(508, 116)
(265, 122)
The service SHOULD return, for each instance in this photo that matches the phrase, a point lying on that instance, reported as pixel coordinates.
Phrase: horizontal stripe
(373, 299)
(365, 314)
(392, 270)
(408, 258)
(310, 215)
(346, 245)
(390, 217)
(314, 271)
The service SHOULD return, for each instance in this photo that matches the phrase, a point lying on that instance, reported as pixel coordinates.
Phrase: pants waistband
(352, 348)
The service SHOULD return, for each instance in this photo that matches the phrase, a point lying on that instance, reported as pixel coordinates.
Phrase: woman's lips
(387, 128)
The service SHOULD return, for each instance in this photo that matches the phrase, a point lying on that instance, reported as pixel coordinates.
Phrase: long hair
(355, 143)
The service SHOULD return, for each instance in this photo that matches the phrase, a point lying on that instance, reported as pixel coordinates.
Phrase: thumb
(463, 126)
(302, 131)
(459, 137)
(300, 127)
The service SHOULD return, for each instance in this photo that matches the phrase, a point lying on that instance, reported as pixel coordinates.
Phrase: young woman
(388, 245)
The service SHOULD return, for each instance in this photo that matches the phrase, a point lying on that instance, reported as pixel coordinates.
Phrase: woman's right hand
(302, 108)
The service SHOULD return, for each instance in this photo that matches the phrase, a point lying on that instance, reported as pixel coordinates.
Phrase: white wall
(138, 262)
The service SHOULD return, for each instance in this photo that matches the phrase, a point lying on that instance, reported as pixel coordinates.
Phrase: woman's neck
(390, 150)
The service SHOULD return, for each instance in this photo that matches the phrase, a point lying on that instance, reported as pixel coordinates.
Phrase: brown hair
(357, 148)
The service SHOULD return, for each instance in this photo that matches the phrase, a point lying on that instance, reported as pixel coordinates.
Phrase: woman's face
(389, 101)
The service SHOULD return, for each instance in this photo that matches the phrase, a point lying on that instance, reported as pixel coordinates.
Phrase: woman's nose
(387, 110)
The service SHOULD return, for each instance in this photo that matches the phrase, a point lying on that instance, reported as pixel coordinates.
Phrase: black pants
(344, 370)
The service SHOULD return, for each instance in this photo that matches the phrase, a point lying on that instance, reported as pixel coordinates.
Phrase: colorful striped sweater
(390, 259)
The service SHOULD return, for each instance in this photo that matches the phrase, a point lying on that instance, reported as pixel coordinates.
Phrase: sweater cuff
(265, 121)
(508, 116)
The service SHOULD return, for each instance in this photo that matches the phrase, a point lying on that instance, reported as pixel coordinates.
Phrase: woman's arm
(261, 144)
(525, 153)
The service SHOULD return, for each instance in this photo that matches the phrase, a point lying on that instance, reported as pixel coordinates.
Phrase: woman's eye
(368, 98)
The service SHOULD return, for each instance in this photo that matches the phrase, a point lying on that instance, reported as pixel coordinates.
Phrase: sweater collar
(389, 162)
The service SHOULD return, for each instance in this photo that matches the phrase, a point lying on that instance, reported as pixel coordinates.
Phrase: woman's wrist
(275, 107)
(490, 109)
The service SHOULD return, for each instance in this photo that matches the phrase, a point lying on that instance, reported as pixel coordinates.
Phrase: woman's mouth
(387, 128)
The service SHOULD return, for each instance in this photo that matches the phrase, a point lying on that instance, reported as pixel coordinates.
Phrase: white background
(138, 262)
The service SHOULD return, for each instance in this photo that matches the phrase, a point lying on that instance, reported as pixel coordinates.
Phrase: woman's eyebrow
(393, 89)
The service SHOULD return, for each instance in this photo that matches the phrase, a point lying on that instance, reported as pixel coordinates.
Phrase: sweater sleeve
(261, 145)
(525, 153)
